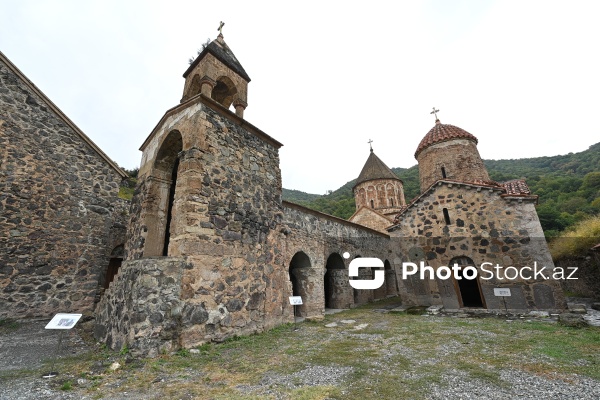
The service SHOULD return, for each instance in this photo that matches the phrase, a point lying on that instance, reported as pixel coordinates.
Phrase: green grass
(397, 355)
(8, 325)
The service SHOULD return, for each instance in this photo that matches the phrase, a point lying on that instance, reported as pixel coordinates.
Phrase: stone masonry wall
(587, 283)
(484, 227)
(318, 236)
(371, 219)
(460, 159)
(57, 198)
(225, 215)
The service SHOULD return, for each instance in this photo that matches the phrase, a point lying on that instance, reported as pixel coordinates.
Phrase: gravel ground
(26, 351)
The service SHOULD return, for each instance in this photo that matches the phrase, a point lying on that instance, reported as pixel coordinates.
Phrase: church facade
(213, 251)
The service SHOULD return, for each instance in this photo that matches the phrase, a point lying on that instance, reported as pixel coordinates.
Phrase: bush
(577, 241)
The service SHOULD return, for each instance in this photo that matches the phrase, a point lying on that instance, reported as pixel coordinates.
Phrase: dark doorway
(334, 273)
(113, 267)
(469, 290)
(170, 207)
(299, 271)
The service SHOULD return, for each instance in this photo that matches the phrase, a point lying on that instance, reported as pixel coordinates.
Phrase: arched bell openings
(224, 91)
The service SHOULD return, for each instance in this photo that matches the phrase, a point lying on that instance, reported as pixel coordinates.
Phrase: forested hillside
(568, 187)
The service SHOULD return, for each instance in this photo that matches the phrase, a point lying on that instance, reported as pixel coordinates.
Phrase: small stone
(347, 321)
(331, 325)
(360, 326)
(577, 308)
(114, 366)
(194, 351)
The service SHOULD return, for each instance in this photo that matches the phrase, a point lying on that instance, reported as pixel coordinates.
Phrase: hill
(568, 187)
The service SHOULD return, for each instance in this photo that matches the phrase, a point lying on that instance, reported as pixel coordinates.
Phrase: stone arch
(299, 270)
(195, 86)
(355, 292)
(391, 280)
(224, 91)
(334, 282)
(161, 195)
(468, 290)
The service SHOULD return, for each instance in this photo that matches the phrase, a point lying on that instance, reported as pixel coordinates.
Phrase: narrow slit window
(392, 202)
(443, 172)
(446, 216)
(372, 204)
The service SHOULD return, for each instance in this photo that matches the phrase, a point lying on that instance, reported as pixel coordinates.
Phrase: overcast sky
(327, 76)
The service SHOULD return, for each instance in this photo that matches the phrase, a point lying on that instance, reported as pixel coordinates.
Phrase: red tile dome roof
(442, 133)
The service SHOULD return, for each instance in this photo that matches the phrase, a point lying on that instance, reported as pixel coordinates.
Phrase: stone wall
(57, 205)
(587, 283)
(459, 158)
(224, 216)
(484, 226)
(319, 236)
(146, 314)
(369, 218)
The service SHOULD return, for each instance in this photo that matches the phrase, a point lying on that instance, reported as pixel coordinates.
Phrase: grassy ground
(395, 356)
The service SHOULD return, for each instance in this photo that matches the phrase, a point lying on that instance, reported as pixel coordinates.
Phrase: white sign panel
(63, 321)
(502, 292)
(296, 300)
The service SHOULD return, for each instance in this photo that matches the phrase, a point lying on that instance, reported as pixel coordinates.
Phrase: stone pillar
(240, 106)
(206, 86)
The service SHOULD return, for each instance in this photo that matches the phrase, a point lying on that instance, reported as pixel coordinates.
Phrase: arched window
(372, 204)
(446, 216)
(443, 172)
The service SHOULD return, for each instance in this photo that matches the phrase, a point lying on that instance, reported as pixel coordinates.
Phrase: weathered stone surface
(572, 320)
(495, 230)
(58, 206)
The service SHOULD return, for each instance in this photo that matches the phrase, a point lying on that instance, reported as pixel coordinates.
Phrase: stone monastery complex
(207, 249)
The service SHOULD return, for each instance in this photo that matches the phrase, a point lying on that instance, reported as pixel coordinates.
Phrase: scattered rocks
(572, 320)
(577, 308)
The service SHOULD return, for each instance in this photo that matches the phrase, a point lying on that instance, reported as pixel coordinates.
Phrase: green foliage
(68, 385)
(578, 240)
(568, 187)
(124, 350)
(128, 185)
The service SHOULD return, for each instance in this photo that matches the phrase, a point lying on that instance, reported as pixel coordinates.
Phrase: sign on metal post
(62, 322)
(295, 301)
(504, 293)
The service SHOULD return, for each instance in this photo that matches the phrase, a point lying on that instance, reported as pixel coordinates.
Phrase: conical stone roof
(219, 49)
(442, 133)
(375, 169)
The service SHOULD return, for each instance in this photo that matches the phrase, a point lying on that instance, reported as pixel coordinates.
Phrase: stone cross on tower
(434, 112)
(370, 141)
(220, 29)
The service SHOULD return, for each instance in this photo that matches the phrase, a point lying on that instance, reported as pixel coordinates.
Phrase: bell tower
(216, 73)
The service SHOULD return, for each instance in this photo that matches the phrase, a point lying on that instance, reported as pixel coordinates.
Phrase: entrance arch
(161, 196)
(468, 290)
(299, 273)
(336, 278)
(391, 280)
